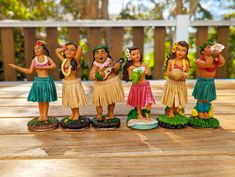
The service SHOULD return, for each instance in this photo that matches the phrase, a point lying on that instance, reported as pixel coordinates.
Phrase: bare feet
(71, 117)
(206, 115)
(111, 115)
(98, 118)
(40, 118)
(76, 116)
(140, 117)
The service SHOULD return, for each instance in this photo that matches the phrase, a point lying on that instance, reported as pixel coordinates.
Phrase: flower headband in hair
(128, 54)
(173, 50)
(39, 43)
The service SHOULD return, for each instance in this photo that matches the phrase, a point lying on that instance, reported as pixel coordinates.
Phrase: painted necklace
(69, 69)
(106, 63)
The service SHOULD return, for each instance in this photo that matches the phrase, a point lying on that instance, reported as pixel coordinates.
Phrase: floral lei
(69, 69)
(106, 63)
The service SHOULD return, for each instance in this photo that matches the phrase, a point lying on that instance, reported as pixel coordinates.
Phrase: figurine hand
(102, 74)
(64, 47)
(12, 65)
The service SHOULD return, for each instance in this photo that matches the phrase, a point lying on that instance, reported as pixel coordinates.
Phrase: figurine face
(181, 52)
(70, 51)
(135, 55)
(38, 50)
(101, 56)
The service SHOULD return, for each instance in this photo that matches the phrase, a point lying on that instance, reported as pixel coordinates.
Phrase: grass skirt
(205, 89)
(140, 95)
(73, 94)
(108, 91)
(43, 90)
(175, 93)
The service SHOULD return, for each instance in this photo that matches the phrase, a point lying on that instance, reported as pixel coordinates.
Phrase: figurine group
(108, 90)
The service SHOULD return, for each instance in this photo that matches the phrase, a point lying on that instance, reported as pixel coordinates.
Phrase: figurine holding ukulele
(140, 94)
(43, 89)
(204, 90)
(175, 94)
(73, 94)
(107, 87)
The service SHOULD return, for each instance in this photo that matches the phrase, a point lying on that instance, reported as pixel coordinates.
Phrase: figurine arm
(58, 53)
(221, 60)
(147, 70)
(23, 70)
(205, 64)
(168, 69)
(130, 70)
(78, 53)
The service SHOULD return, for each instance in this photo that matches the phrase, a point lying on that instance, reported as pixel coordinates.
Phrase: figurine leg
(148, 107)
(99, 110)
(139, 113)
(45, 107)
(171, 111)
(75, 113)
(111, 110)
(40, 111)
(72, 115)
(200, 109)
(206, 109)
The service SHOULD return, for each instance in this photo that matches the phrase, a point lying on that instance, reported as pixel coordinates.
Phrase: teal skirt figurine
(204, 90)
(203, 115)
(43, 89)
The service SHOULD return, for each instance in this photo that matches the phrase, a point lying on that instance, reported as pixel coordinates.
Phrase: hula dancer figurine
(175, 91)
(204, 90)
(140, 94)
(43, 89)
(107, 87)
(73, 94)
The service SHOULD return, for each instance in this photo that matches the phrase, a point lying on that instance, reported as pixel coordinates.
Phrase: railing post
(94, 37)
(138, 38)
(159, 50)
(74, 35)
(116, 42)
(8, 54)
(29, 41)
(223, 38)
(51, 41)
(182, 26)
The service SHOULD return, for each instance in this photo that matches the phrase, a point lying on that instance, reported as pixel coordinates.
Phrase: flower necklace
(37, 63)
(106, 63)
(69, 69)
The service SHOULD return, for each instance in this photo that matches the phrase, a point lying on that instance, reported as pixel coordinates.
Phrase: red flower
(39, 43)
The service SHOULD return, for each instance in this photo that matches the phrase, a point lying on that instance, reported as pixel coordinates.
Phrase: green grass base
(196, 122)
(51, 123)
(176, 122)
(110, 123)
(82, 122)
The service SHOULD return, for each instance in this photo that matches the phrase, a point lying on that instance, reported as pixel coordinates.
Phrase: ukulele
(108, 70)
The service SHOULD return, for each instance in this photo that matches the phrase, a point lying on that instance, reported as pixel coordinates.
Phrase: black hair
(172, 55)
(128, 64)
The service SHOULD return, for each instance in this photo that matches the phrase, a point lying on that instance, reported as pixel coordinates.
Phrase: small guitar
(108, 70)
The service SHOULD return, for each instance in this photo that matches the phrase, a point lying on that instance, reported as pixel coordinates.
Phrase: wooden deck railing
(94, 37)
